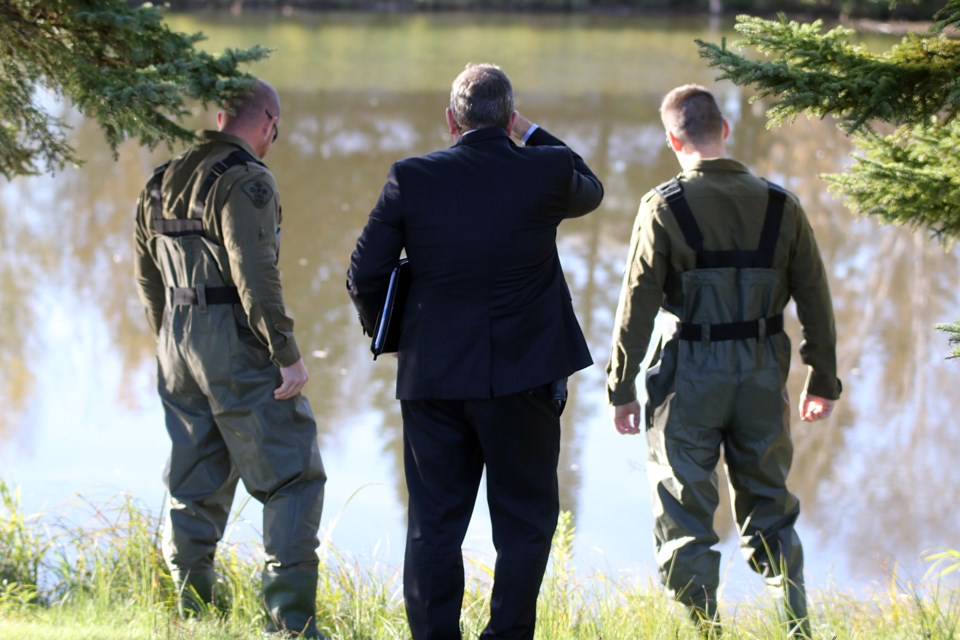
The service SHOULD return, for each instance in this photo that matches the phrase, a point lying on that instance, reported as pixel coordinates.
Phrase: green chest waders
(216, 383)
(720, 384)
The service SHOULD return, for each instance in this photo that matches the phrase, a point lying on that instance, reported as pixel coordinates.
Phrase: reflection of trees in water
(859, 475)
(895, 370)
(66, 236)
(18, 276)
(97, 203)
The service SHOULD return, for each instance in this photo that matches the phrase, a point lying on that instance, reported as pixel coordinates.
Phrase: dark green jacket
(729, 204)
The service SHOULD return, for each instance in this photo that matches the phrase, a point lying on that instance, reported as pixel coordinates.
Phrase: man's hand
(520, 126)
(294, 377)
(626, 418)
(813, 408)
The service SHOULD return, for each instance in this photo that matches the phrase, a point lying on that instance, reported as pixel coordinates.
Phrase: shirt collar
(480, 135)
(210, 135)
(717, 164)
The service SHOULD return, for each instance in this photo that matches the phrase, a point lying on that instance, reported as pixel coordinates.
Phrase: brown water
(78, 411)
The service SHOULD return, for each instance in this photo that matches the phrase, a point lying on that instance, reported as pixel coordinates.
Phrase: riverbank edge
(892, 26)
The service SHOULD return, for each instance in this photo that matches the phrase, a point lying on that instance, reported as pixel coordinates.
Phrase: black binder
(386, 332)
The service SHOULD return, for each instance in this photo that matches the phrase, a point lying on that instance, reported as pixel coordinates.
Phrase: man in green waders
(230, 372)
(720, 252)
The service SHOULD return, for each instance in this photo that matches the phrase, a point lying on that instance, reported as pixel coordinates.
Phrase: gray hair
(481, 96)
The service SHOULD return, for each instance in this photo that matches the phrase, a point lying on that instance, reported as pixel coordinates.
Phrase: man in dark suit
(488, 337)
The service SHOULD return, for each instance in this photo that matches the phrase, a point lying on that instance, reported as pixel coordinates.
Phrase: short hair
(251, 105)
(692, 114)
(481, 96)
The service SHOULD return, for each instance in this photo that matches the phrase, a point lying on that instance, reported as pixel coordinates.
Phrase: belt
(732, 330)
(205, 295)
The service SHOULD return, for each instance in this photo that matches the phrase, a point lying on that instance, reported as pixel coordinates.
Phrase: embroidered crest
(259, 192)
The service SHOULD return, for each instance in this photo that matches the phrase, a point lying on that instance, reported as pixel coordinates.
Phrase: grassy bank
(105, 582)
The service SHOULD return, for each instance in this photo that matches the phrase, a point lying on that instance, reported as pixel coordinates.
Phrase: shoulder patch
(259, 191)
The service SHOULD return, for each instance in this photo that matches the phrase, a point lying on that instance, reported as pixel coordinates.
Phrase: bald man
(230, 372)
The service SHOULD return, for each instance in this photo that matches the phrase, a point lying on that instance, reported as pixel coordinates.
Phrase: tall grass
(21, 550)
(106, 580)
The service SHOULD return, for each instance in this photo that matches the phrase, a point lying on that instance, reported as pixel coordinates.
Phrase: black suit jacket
(488, 312)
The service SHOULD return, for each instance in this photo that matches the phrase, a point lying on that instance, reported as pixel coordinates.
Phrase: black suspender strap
(154, 185)
(672, 192)
(172, 227)
(176, 227)
(762, 258)
(776, 198)
(193, 225)
(240, 156)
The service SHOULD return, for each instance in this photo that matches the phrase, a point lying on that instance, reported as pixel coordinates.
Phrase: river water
(80, 422)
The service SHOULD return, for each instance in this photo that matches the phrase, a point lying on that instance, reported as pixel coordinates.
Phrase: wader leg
(682, 461)
(195, 591)
(758, 454)
(790, 598)
(201, 483)
(290, 597)
(273, 444)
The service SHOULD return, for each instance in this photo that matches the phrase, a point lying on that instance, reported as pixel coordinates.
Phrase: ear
(220, 120)
(451, 123)
(726, 129)
(266, 128)
(675, 143)
(512, 122)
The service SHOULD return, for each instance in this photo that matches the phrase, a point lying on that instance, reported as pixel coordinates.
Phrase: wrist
(529, 132)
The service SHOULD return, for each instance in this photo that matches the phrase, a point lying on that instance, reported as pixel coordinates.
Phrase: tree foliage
(900, 105)
(910, 175)
(116, 64)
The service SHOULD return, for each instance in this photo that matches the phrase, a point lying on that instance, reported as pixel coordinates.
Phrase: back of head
(482, 96)
(691, 113)
(248, 110)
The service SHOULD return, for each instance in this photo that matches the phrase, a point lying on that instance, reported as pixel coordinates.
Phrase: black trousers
(447, 444)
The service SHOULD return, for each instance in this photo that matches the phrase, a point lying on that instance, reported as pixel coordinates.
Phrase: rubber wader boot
(706, 618)
(791, 603)
(194, 591)
(290, 596)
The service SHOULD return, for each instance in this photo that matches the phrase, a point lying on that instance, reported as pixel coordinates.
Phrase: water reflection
(360, 92)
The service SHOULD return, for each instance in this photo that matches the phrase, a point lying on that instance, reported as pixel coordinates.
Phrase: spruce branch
(119, 65)
(910, 177)
(809, 72)
(953, 329)
(948, 16)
